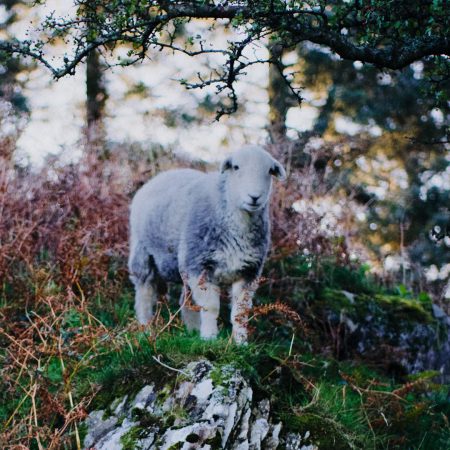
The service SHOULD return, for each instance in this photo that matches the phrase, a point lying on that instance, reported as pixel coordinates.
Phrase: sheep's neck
(242, 220)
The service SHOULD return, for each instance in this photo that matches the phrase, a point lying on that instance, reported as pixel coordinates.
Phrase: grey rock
(118, 405)
(212, 408)
(438, 312)
(98, 427)
(417, 340)
(294, 442)
(144, 398)
(112, 440)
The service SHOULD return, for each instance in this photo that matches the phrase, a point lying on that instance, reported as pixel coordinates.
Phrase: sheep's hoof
(145, 320)
(209, 337)
(240, 339)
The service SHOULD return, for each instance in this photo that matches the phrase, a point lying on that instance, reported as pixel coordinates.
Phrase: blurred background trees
(367, 139)
(383, 139)
(13, 104)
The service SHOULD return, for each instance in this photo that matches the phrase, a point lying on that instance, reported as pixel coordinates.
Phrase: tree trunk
(96, 96)
(279, 97)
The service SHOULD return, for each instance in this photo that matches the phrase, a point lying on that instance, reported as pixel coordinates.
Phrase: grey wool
(210, 231)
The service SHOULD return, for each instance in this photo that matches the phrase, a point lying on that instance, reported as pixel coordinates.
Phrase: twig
(168, 367)
(11, 417)
(68, 390)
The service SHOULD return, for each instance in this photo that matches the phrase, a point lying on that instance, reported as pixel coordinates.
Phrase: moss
(377, 316)
(215, 441)
(221, 376)
(176, 446)
(324, 432)
(128, 440)
(336, 300)
(109, 410)
(410, 310)
(192, 438)
(177, 414)
(399, 308)
(146, 419)
(118, 381)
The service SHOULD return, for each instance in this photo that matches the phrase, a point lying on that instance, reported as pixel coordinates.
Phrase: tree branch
(140, 23)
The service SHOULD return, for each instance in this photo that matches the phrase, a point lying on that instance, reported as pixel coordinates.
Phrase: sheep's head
(248, 177)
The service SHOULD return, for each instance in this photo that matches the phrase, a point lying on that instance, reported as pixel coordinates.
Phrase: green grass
(308, 393)
(125, 370)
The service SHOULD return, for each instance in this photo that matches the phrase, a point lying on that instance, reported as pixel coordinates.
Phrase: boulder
(205, 408)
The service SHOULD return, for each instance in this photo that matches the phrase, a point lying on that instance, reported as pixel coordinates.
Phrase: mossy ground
(343, 403)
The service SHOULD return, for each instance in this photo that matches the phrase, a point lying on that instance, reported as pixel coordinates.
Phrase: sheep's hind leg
(241, 303)
(142, 272)
(145, 300)
(207, 296)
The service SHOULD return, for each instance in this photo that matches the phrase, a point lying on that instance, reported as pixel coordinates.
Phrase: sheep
(209, 230)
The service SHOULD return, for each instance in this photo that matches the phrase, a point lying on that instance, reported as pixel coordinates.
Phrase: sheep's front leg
(207, 296)
(241, 303)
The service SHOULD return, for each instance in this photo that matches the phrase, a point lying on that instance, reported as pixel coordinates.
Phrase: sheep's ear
(226, 165)
(277, 170)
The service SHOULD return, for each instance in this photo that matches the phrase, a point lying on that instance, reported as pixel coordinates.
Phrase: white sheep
(210, 230)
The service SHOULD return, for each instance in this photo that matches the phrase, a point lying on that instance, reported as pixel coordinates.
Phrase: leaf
(424, 297)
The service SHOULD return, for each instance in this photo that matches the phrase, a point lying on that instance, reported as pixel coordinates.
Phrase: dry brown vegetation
(63, 234)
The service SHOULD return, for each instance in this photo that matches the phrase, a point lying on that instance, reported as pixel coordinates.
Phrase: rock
(438, 312)
(211, 408)
(144, 399)
(98, 427)
(294, 442)
(113, 440)
(406, 335)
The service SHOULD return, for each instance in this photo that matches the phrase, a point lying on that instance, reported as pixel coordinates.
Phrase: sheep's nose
(254, 198)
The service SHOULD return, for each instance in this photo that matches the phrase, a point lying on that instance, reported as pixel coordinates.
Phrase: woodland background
(365, 211)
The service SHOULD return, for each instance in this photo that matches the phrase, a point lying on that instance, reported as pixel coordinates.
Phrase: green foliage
(376, 33)
(124, 370)
(128, 440)
(315, 272)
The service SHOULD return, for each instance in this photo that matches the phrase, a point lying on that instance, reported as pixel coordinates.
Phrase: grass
(69, 342)
(342, 405)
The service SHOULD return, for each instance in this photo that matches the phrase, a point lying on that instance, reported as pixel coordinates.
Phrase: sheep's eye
(235, 167)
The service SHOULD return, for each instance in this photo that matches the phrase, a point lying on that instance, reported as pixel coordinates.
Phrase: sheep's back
(159, 212)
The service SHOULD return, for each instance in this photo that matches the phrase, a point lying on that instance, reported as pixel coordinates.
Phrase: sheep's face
(248, 178)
